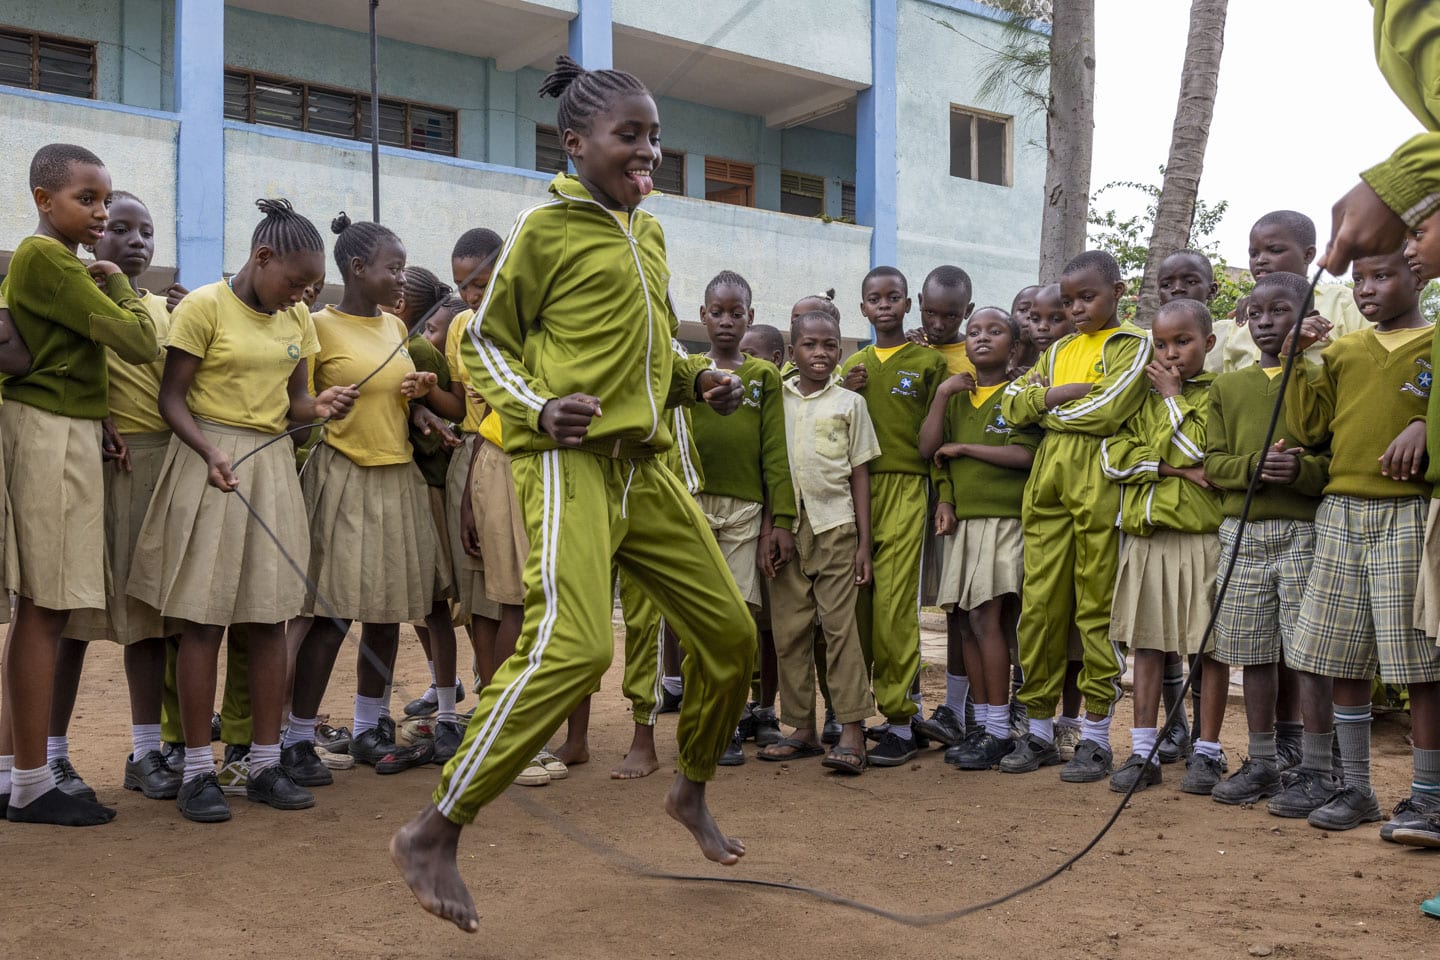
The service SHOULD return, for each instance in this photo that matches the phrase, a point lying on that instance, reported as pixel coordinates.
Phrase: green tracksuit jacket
(1407, 48)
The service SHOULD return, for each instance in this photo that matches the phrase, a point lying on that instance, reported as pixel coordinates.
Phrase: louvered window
(802, 194)
(549, 152)
(38, 61)
(730, 181)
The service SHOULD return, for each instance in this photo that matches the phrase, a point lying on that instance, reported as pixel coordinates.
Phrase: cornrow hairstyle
(1097, 260)
(1293, 283)
(949, 278)
(283, 230)
(1196, 310)
(729, 278)
(1009, 319)
(1199, 256)
(809, 316)
(423, 290)
(584, 93)
(1300, 228)
(887, 272)
(50, 167)
(357, 241)
(479, 242)
(824, 302)
(771, 340)
(453, 304)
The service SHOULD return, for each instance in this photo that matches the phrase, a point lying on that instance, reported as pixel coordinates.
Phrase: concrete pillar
(767, 171)
(200, 153)
(590, 41)
(695, 175)
(501, 134)
(876, 133)
(833, 208)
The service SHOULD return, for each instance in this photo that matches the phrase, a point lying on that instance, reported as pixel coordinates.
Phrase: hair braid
(283, 230)
(584, 93)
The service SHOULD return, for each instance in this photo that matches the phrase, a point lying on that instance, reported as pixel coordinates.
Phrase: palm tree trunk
(1175, 210)
(1070, 134)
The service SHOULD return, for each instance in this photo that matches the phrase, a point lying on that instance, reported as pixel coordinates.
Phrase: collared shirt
(829, 433)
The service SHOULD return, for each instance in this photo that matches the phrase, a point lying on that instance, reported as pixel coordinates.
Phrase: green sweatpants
(586, 514)
(1072, 554)
(234, 707)
(644, 664)
(888, 612)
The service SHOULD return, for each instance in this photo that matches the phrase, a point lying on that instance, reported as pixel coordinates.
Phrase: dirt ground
(552, 868)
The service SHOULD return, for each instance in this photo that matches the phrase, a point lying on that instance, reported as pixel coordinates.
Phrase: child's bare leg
(30, 678)
(641, 760)
(1070, 697)
(314, 660)
(576, 748)
(145, 678)
(267, 677)
(437, 638)
(195, 666)
(769, 670)
(69, 663)
(1287, 695)
(986, 626)
(1149, 673)
(686, 803)
(482, 638)
(424, 850)
(1260, 710)
(295, 633)
(375, 671)
(1212, 714)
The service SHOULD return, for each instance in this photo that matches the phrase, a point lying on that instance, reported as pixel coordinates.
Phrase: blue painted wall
(135, 63)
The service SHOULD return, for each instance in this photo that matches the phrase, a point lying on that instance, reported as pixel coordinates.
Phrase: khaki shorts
(736, 525)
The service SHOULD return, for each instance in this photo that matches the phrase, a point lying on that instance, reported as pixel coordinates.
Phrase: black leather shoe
(303, 766)
(202, 800)
(274, 788)
(151, 777)
(448, 735)
(733, 756)
(386, 756)
(174, 756)
(68, 780)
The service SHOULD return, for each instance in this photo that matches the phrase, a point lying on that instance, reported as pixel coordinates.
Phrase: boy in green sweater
(67, 313)
(898, 380)
(1358, 607)
(1256, 624)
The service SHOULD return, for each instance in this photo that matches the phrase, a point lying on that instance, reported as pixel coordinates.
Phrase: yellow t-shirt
(246, 357)
(377, 431)
(623, 216)
(1394, 339)
(1272, 372)
(474, 412)
(955, 358)
(981, 394)
(135, 387)
(885, 353)
(1079, 361)
(490, 429)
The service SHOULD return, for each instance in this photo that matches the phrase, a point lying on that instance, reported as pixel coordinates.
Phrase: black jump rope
(636, 867)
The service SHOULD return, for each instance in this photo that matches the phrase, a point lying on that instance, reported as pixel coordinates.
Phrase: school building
(804, 140)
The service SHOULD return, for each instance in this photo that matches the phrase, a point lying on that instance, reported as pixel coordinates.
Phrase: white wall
(138, 150)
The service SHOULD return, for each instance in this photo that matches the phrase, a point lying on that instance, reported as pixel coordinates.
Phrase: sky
(1300, 111)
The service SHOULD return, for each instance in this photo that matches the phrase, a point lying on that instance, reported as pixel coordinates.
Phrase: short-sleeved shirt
(829, 434)
(474, 412)
(376, 433)
(246, 357)
(135, 387)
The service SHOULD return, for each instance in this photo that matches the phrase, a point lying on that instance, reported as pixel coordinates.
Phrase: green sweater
(978, 489)
(1408, 52)
(897, 396)
(1240, 407)
(579, 304)
(431, 454)
(743, 455)
(1172, 431)
(1360, 399)
(67, 322)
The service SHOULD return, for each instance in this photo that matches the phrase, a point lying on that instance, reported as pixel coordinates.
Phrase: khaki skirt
(504, 544)
(1163, 591)
(55, 524)
(202, 556)
(125, 620)
(1427, 585)
(469, 577)
(374, 557)
(983, 560)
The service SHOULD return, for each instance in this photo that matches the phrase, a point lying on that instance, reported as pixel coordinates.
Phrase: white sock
(263, 756)
(1065, 721)
(1041, 729)
(27, 786)
(56, 747)
(299, 730)
(6, 765)
(367, 713)
(1142, 741)
(674, 686)
(1208, 748)
(445, 704)
(198, 762)
(997, 721)
(431, 665)
(955, 690)
(1096, 731)
(144, 737)
(902, 730)
(385, 700)
(982, 714)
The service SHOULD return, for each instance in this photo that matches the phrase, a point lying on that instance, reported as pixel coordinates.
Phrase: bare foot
(573, 754)
(641, 761)
(424, 850)
(686, 803)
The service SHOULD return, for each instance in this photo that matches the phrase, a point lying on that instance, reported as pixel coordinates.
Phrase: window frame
(36, 37)
(975, 115)
(361, 110)
(736, 173)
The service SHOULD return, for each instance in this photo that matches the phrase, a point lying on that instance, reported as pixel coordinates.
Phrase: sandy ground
(552, 868)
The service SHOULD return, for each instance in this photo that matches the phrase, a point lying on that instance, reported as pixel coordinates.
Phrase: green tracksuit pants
(234, 707)
(644, 666)
(888, 613)
(1072, 554)
(587, 514)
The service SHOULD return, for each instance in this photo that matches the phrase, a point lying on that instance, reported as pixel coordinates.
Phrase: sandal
(553, 765)
(799, 750)
(846, 760)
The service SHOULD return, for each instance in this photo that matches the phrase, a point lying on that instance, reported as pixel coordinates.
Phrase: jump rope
(627, 863)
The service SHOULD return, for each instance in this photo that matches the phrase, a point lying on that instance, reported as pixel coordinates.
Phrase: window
(801, 194)
(549, 151)
(37, 61)
(847, 201)
(729, 181)
(278, 102)
(980, 146)
(670, 177)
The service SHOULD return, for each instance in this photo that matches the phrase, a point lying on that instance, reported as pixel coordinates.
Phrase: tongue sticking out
(643, 182)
